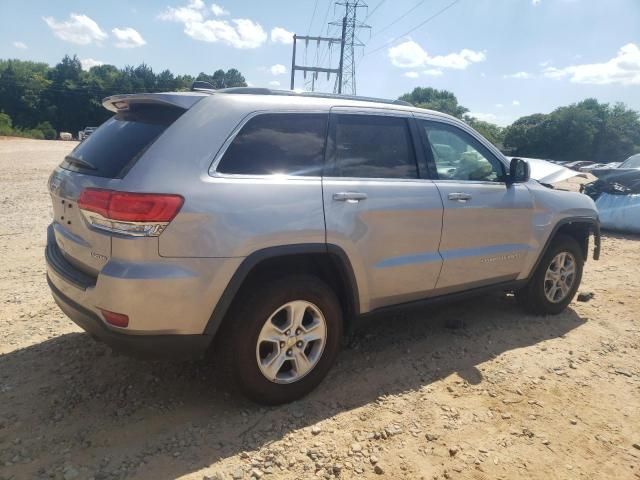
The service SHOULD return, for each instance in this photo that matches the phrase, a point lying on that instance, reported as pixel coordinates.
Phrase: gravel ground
(476, 390)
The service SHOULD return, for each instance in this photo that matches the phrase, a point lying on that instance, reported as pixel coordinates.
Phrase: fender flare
(251, 261)
(594, 227)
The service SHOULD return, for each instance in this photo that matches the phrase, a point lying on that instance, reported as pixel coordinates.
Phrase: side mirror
(519, 171)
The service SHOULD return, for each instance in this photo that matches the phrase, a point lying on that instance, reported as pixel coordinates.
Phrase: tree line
(38, 100)
(587, 130)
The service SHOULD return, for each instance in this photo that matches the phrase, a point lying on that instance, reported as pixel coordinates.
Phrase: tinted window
(631, 162)
(459, 156)
(114, 147)
(279, 143)
(370, 146)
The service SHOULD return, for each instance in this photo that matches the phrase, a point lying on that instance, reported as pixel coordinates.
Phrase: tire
(534, 298)
(237, 341)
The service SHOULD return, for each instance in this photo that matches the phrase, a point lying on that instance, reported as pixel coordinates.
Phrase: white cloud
(458, 61)
(193, 12)
(410, 54)
(623, 69)
(535, 3)
(218, 11)
(274, 83)
(518, 75)
(20, 45)
(433, 72)
(238, 33)
(128, 38)
(411, 74)
(87, 63)
(280, 35)
(546, 63)
(515, 103)
(499, 105)
(278, 69)
(79, 29)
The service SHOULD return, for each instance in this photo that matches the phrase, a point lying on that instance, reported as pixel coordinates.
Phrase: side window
(278, 143)
(459, 156)
(372, 146)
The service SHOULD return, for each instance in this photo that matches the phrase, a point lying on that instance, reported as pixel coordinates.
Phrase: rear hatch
(100, 162)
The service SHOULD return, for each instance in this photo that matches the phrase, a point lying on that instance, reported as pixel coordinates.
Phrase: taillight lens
(116, 319)
(129, 213)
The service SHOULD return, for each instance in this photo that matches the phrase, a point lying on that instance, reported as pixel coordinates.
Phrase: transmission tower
(346, 82)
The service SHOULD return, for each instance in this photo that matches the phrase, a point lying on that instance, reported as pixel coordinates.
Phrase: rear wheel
(281, 339)
(556, 280)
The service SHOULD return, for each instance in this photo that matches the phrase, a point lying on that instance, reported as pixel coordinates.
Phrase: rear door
(378, 209)
(487, 225)
(100, 162)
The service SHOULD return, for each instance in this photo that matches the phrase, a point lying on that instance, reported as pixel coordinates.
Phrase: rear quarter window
(278, 143)
(113, 149)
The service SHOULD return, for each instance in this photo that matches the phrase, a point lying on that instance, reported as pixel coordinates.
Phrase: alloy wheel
(291, 342)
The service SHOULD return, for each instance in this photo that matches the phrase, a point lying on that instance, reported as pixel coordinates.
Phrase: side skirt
(441, 299)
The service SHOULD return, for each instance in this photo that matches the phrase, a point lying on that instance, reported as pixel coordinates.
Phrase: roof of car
(305, 94)
(263, 96)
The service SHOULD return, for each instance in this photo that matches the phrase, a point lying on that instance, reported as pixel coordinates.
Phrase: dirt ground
(501, 395)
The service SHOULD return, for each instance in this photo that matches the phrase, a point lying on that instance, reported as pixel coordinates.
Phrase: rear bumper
(175, 347)
(161, 296)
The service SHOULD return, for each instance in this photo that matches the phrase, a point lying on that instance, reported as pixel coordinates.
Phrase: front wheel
(282, 339)
(556, 279)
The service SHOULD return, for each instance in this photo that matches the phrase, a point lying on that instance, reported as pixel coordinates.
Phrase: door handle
(459, 196)
(351, 197)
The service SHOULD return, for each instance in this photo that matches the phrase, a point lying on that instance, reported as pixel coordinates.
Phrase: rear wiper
(80, 162)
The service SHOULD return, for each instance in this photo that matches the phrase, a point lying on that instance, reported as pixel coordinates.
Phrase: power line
(315, 7)
(386, 27)
(326, 15)
(439, 12)
(374, 9)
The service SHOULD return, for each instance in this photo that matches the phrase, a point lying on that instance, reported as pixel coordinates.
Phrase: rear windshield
(631, 162)
(113, 149)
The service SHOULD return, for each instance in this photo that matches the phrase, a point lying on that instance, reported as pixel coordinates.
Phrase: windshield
(631, 162)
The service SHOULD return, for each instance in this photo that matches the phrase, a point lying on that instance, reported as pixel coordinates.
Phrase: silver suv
(261, 223)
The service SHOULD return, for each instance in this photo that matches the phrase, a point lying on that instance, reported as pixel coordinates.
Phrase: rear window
(113, 149)
(631, 162)
(278, 143)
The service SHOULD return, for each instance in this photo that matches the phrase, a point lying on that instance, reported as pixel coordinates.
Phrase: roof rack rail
(201, 85)
(297, 93)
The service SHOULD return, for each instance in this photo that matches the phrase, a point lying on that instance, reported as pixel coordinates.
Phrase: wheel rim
(560, 277)
(291, 342)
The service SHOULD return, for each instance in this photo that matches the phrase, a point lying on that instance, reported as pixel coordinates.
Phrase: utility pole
(350, 26)
(313, 70)
(346, 72)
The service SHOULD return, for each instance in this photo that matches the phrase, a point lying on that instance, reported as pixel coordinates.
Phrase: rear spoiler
(184, 100)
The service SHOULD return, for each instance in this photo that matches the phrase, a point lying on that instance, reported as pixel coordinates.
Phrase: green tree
(490, 131)
(39, 100)
(587, 130)
(438, 100)
(222, 79)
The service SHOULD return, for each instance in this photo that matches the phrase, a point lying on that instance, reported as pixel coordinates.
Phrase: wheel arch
(327, 261)
(579, 228)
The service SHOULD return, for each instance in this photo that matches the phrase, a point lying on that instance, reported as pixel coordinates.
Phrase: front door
(377, 208)
(487, 225)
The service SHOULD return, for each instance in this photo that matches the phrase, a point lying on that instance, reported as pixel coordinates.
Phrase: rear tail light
(116, 319)
(128, 213)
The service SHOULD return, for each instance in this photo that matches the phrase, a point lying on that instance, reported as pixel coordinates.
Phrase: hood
(547, 172)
